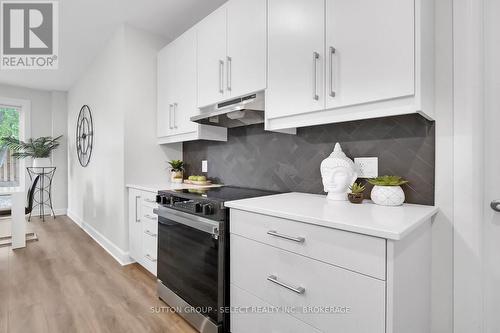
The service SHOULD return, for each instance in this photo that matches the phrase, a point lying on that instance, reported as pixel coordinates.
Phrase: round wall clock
(84, 135)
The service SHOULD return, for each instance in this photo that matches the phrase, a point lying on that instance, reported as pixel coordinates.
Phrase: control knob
(208, 209)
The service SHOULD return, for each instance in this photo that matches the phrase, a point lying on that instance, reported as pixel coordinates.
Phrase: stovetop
(207, 202)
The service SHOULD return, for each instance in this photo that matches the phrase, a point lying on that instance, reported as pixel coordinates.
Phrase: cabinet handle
(137, 219)
(175, 110)
(295, 239)
(315, 71)
(229, 73)
(149, 200)
(170, 116)
(147, 232)
(274, 279)
(332, 53)
(150, 258)
(151, 217)
(221, 76)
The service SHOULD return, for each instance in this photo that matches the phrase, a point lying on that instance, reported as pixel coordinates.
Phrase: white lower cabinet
(254, 320)
(143, 229)
(285, 277)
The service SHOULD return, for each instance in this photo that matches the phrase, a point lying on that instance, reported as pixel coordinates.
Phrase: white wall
(48, 118)
(120, 88)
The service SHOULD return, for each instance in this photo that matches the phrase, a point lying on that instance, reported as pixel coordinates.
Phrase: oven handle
(190, 220)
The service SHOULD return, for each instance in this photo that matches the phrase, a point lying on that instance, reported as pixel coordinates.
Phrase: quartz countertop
(167, 186)
(368, 218)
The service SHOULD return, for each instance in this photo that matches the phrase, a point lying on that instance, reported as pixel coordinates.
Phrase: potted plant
(356, 194)
(176, 171)
(387, 190)
(39, 149)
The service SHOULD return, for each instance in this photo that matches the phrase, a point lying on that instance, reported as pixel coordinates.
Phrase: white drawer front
(147, 213)
(253, 321)
(149, 198)
(360, 253)
(252, 263)
(149, 248)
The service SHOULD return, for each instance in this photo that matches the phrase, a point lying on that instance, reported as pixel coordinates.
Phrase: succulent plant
(357, 188)
(176, 165)
(387, 181)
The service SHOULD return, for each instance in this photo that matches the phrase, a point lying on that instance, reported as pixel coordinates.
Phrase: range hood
(241, 111)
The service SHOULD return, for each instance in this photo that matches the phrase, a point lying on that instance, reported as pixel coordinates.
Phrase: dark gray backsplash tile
(252, 157)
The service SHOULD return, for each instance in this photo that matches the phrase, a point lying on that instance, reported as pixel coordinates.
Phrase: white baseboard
(118, 254)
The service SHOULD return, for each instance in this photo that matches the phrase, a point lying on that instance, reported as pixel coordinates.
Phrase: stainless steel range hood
(242, 111)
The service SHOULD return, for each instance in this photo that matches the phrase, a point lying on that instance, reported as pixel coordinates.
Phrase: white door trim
(468, 164)
(24, 107)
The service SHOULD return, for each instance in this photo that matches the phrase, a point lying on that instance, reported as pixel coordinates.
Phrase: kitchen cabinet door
(185, 73)
(135, 225)
(211, 58)
(246, 47)
(166, 90)
(373, 58)
(296, 57)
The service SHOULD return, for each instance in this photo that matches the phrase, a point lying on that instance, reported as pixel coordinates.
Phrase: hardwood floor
(67, 283)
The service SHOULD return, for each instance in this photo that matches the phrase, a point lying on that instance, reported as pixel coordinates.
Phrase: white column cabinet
(296, 57)
(212, 58)
(374, 59)
(246, 47)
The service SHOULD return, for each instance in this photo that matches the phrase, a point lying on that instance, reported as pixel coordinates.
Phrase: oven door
(190, 260)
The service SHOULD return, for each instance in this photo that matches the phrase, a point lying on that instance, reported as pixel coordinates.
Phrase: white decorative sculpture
(338, 173)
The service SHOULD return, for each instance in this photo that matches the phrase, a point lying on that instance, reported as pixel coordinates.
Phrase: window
(9, 166)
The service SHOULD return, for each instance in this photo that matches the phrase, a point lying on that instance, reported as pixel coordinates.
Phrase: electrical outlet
(204, 166)
(367, 167)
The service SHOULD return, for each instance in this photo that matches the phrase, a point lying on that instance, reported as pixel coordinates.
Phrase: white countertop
(367, 218)
(167, 186)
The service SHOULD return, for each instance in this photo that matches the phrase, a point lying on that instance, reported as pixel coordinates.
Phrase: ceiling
(86, 26)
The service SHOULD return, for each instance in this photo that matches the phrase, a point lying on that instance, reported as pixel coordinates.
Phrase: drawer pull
(150, 258)
(295, 239)
(151, 217)
(150, 201)
(147, 232)
(274, 279)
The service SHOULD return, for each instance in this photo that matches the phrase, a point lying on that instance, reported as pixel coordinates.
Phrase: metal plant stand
(43, 192)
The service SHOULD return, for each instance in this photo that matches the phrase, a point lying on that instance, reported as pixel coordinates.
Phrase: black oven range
(193, 252)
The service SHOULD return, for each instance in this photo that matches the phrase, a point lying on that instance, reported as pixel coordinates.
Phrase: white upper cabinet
(166, 90)
(246, 47)
(370, 46)
(185, 66)
(296, 57)
(212, 58)
(177, 94)
(232, 51)
(334, 60)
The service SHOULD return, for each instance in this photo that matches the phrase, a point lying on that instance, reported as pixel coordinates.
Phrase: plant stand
(43, 192)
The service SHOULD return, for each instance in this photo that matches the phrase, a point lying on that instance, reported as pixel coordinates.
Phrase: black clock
(84, 135)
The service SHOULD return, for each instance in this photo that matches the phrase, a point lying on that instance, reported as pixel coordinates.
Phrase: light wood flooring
(66, 282)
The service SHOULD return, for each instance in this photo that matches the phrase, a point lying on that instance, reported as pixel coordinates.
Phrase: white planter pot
(42, 162)
(388, 195)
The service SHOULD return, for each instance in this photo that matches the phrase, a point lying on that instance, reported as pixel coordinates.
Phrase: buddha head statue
(338, 173)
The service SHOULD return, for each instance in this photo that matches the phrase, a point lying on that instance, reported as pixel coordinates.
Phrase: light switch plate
(367, 166)
(204, 166)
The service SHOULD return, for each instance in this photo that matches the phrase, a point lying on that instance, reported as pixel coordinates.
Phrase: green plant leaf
(387, 181)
